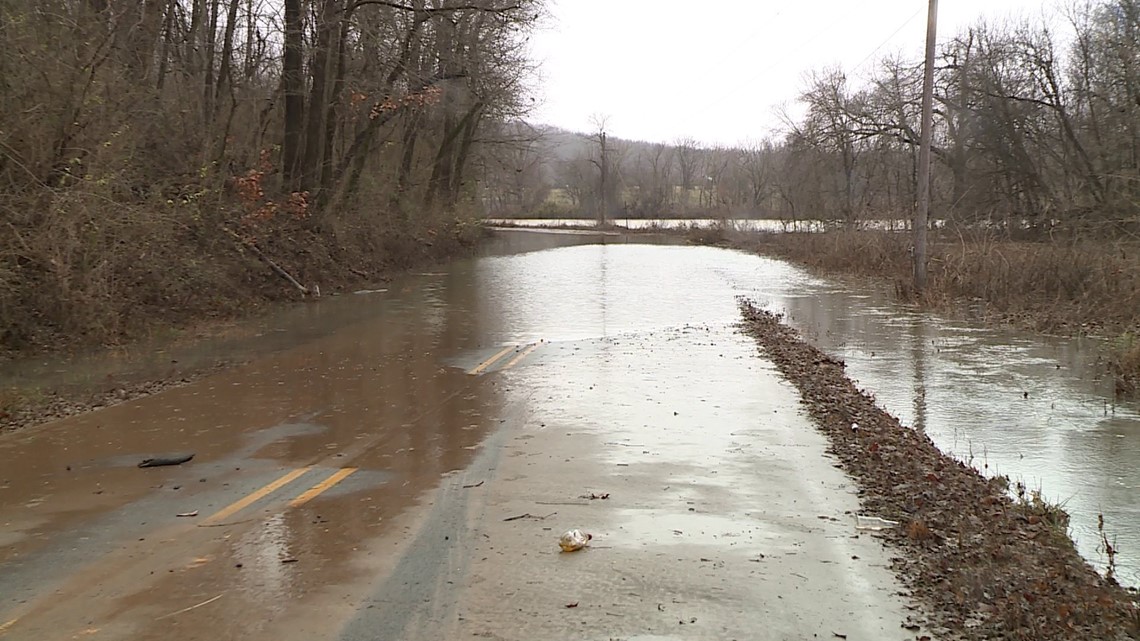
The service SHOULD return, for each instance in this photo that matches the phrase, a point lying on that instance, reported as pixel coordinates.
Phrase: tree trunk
(167, 38)
(292, 81)
(332, 119)
(318, 96)
(225, 73)
(411, 137)
(208, 81)
(464, 152)
(348, 171)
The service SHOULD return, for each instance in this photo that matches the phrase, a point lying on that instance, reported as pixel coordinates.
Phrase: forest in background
(1037, 131)
(163, 161)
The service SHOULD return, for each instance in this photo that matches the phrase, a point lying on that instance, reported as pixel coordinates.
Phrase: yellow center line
(241, 504)
(523, 354)
(321, 487)
(491, 361)
(4, 627)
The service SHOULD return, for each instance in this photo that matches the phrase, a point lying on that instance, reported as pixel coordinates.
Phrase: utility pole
(602, 210)
(922, 215)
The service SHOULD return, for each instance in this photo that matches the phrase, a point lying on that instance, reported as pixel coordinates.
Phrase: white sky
(718, 70)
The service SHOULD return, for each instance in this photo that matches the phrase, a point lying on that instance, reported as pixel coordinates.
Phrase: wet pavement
(353, 480)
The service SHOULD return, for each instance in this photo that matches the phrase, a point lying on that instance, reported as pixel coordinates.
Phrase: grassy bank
(73, 276)
(80, 279)
(988, 565)
(1057, 287)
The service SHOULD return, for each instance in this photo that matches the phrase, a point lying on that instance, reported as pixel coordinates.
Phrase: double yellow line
(273, 486)
(521, 354)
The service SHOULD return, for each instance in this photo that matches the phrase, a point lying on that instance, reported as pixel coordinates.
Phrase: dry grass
(79, 268)
(1124, 363)
(1049, 286)
(1066, 287)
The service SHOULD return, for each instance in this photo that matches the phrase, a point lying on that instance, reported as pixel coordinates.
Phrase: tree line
(141, 138)
(1036, 130)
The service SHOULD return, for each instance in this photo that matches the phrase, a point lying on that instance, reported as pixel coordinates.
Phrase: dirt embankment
(170, 285)
(989, 566)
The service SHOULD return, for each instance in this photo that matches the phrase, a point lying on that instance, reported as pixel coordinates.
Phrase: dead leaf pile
(988, 566)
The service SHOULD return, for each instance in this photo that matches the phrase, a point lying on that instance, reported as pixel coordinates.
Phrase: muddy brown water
(1034, 408)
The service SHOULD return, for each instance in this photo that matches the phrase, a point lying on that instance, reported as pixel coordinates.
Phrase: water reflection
(260, 552)
(1036, 409)
(381, 376)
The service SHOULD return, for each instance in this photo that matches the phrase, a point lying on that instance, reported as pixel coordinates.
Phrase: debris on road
(193, 607)
(572, 605)
(528, 515)
(479, 484)
(593, 497)
(163, 461)
(187, 514)
(873, 523)
(574, 540)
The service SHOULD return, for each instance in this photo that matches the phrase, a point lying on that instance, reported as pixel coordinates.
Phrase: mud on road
(988, 564)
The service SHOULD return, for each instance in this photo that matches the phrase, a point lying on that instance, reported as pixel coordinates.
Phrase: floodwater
(1036, 409)
(741, 224)
(356, 382)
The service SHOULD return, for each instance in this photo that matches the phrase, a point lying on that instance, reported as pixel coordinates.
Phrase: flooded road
(1036, 409)
(355, 479)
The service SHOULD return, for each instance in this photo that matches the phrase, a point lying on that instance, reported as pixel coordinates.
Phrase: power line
(885, 42)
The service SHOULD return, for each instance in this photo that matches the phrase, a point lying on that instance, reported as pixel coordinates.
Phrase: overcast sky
(718, 71)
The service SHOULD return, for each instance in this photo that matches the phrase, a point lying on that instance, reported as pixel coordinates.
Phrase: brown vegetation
(169, 160)
(988, 566)
(1067, 287)
(1048, 286)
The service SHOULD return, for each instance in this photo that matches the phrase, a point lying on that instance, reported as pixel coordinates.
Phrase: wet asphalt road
(405, 472)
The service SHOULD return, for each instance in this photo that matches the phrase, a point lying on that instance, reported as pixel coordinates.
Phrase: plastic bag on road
(873, 523)
(574, 540)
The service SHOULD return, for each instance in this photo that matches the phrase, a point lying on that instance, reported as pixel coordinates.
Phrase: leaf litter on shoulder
(985, 565)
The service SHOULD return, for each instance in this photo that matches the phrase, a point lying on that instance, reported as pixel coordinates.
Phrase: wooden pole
(602, 210)
(922, 215)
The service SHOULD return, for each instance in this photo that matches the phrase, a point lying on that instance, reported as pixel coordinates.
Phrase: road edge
(987, 565)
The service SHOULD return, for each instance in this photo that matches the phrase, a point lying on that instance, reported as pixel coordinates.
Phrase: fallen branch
(305, 291)
(165, 461)
(193, 607)
(528, 515)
